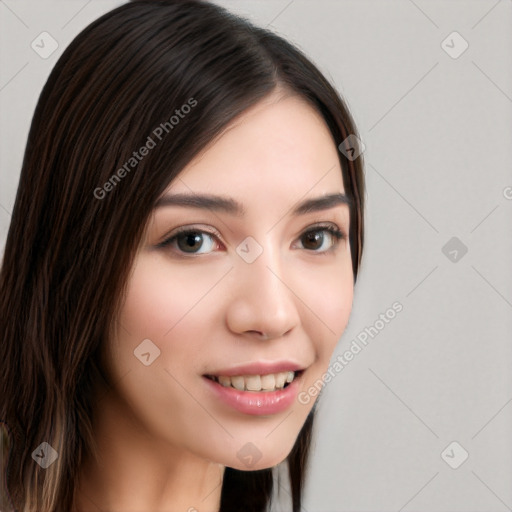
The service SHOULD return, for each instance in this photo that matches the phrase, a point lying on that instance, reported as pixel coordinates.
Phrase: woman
(179, 266)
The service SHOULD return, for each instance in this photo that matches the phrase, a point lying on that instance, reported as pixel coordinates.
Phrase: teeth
(281, 380)
(269, 382)
(225, 381)
(238, 383)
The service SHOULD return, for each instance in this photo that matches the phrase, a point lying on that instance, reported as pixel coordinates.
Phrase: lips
(259, 403)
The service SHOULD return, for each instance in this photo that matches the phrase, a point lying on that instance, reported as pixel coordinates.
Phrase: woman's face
(197, 305)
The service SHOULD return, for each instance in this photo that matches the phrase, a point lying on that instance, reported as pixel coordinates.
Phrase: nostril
(261, 334)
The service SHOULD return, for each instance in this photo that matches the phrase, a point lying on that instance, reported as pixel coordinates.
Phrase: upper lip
(258, 368)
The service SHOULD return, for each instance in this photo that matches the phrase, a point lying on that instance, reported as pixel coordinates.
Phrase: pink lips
(256, 403)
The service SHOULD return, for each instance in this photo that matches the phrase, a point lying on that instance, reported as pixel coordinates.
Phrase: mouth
(253, 394)
(257, 383)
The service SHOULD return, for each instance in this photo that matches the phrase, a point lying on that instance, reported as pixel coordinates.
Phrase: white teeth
(238, 382)
(225, 381)
(280, 380)
(252, 383)
(269, 382)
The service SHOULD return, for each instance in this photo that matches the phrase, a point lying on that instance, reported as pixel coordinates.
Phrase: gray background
(437, 132)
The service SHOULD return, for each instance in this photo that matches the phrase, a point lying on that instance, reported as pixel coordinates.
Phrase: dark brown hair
(69, 252)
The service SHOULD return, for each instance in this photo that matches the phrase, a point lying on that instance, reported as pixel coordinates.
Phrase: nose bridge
(262, 300)
(262, 272)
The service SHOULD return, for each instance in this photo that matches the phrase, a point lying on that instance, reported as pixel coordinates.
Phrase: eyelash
(332, 229)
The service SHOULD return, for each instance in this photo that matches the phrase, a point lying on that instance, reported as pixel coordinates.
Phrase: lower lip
(254, 402)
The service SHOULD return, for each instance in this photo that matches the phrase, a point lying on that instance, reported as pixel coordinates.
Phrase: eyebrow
(229, 205)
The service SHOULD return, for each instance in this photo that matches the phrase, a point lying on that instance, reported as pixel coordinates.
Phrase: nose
(262, 302)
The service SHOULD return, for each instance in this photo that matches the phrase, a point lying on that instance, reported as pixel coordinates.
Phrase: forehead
(280, 147)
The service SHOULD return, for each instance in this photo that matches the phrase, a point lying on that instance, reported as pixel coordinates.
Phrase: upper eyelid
(315, 224)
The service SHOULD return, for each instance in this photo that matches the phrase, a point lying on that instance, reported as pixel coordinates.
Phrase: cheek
(170, 306)
(161, 300)
(330, 302)
(329, 294)
(170, 311)
(151, 308)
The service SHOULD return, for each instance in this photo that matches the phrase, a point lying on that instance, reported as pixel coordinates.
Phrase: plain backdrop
(420, 419)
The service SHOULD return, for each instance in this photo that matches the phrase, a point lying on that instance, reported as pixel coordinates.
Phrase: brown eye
(190, 241)
(314, 239)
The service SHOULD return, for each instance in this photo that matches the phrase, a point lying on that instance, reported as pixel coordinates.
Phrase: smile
(257, 383)
(258, 402)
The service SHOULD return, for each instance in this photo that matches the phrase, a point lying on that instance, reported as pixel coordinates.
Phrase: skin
(163, 440)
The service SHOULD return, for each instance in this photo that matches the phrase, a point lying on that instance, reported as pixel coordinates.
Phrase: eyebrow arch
(229, 205)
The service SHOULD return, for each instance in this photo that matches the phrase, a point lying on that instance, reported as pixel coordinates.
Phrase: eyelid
(193, 227)
(187, 228)
(326, 223)
(338, 224)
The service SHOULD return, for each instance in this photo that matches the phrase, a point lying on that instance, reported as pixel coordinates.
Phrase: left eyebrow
(321, 203)
(229, 205)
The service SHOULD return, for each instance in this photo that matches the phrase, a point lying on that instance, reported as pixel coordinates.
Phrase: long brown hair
(75, 229)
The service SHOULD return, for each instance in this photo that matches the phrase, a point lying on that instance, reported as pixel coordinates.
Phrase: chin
(262, 463)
